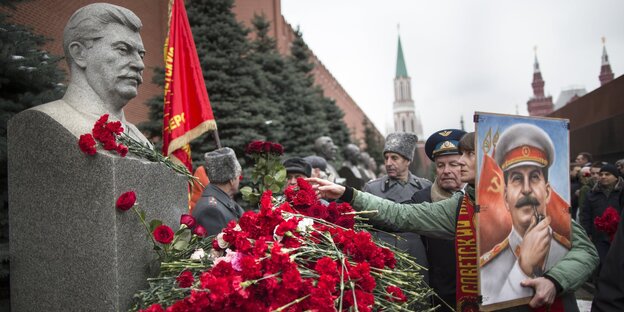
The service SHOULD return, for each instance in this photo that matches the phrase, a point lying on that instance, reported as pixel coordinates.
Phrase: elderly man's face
(115, 64)
(525, 188)
(620, 167)
(397, 166)
(448, 172)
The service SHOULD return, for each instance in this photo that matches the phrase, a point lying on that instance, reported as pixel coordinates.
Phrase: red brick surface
(48, 17)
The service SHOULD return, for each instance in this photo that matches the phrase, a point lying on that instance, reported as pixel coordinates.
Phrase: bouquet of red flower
(111, 137)
(293, 255)
(268, 172)
(608, 222)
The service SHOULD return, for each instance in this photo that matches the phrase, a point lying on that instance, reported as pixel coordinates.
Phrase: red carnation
(396, 294)
(277, 149)
(122, 150)
(608, 222)
(115, 127)
(87, 144)
(266, 200)
(126, 201)
(163, 234)
(255, 147)
(326, 265)
(200, 231)
(185, 279)
(188, 220)
(287, 226)
(365, 300)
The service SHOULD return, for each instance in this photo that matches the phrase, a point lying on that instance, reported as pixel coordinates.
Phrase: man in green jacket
(438, 220)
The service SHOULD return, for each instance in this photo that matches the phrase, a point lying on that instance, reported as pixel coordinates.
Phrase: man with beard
(442, 148)
(439, 219)
(524, 153)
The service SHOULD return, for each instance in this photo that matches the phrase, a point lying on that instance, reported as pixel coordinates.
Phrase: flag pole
(216, 137)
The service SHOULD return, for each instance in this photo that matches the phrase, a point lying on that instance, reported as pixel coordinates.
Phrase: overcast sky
(462, 56)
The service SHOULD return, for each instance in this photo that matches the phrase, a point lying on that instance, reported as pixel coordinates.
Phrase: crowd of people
(596, 191)
(420, 217)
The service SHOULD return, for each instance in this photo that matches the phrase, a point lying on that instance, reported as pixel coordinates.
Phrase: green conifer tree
(310, 113)
(29, 76)
(271, 80)
(374, 143)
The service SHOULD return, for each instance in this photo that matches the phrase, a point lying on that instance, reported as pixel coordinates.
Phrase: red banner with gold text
(187, 111)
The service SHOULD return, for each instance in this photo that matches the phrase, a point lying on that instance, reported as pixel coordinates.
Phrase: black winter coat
(594, 206)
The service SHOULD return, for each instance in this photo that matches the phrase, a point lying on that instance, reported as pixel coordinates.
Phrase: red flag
(558, 210)
(187, 111)
(494, 220)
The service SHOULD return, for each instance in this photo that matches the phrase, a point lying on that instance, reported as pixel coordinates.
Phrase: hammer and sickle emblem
(495, 185)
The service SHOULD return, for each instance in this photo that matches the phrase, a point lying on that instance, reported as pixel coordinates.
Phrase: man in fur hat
(216, 208)
(398, 186)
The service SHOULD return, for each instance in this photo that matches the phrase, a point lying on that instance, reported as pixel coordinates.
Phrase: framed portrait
(523, 192)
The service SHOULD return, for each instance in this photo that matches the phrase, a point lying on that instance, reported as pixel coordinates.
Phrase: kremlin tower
(404, 112)
(606, 74)
(539, 105)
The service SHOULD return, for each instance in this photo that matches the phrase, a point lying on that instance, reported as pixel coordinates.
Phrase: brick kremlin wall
(48, 17)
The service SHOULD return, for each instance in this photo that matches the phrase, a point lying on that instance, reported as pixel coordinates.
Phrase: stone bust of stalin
(104, 52)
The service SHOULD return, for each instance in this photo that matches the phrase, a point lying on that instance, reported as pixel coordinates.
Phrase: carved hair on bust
(87, 22)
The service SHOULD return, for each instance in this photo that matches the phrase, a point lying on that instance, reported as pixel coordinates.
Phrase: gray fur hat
(402, 143)
(222, 165)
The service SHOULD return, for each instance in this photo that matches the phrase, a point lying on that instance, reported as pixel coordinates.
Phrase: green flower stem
(282, 308)
(353, 293)
(146, 226)
(145, 151)
(246, 284)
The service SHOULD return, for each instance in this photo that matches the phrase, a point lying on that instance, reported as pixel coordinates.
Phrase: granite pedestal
(70, 248)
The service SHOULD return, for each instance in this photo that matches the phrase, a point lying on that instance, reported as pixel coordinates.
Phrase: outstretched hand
(326, 189)
(545, 291)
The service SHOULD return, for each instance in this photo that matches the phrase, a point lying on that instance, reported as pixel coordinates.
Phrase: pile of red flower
(608, 222)
(106, 133)
(298, 255)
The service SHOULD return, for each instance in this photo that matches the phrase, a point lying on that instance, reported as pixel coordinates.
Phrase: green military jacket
(438, 220)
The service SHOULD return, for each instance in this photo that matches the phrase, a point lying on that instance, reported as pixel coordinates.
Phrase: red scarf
(466, 258)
